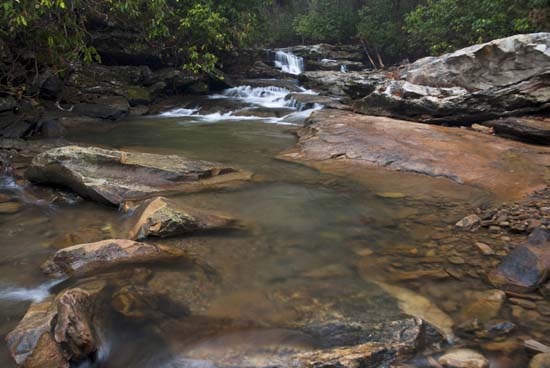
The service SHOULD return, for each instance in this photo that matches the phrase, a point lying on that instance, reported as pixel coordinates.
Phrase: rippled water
(306, 252)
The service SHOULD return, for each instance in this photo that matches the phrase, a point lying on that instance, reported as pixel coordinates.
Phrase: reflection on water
(313, 244)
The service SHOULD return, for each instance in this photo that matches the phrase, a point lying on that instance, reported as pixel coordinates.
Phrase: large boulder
(105, 107)
(160, 217)
(56, 332)
(85, 258)
(340, 139)
(499, 63)
(527, 267)
(113, 177)
(505, 77)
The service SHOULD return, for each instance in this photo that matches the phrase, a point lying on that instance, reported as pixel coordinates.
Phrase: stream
(311, 241)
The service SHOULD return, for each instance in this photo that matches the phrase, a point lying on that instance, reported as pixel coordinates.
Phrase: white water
(36, 294)
(267, 97)
(271, 97)
(289, 63)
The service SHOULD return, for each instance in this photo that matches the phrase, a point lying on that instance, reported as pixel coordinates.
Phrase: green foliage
(54, 33)
(328, 21)
(381, 26)
(444, 25)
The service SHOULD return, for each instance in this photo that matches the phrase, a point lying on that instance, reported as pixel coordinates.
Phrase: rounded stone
(463, 358)
(540, 361)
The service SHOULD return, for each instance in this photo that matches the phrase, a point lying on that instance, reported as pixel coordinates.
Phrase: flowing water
(289, 63)
(313, 245)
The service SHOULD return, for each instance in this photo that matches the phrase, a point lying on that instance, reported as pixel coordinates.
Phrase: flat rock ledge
(112, 177)
(85, 258)
(344, 139)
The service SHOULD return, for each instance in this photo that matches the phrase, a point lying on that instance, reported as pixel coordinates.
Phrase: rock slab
(112, 177)
(90, 257)
(339, 138)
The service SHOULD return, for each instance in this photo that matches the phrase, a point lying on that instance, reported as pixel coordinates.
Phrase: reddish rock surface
(335, 139)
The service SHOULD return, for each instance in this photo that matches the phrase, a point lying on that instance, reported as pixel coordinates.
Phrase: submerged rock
(418, 306)
(112, 177)
(540, 361)
(469, 223)
(90, 257)
(463, 358)
(527, 267)
(159, 217)
(55, 332)
(336, 140)
(403, 338)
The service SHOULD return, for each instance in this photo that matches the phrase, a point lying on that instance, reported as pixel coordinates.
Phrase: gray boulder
(502, 78)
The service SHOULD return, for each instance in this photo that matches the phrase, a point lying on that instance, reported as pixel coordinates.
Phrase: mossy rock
(138, 96)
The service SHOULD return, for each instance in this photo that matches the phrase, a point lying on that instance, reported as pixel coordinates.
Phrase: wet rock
(138, 96)
(140, 303)
(483, 306)
(90, 257)
(32, 344)
(113, 177)
(523, 129)
(527, 267)
(354, 84)
(485, 249)
(540, 361)
(524, 303)
(55, 332)
(10, 207)
(537, 346)
(401, 339)
(336, 140)
(418, 306)
(111, 107)
(7, 104)
(463, 358)
(160, 217)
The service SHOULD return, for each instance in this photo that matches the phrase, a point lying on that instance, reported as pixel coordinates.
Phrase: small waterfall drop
(289, 63)
(344, 68)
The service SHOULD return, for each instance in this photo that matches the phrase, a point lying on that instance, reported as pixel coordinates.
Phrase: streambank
(371, 266)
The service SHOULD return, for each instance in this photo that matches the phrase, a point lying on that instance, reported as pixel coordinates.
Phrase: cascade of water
(289, 63)
(344, 68)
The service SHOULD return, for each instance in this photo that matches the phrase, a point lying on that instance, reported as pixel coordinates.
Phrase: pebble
(494, 229)
(10, 207)
(457, 260)
(543, 308)
(363, 252)
(540, 361)
(391, 195)
(485, 249)
(527, 304)
(463, 358)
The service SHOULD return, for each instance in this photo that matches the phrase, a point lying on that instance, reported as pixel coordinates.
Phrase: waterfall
(344, 68)
(288, 62)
